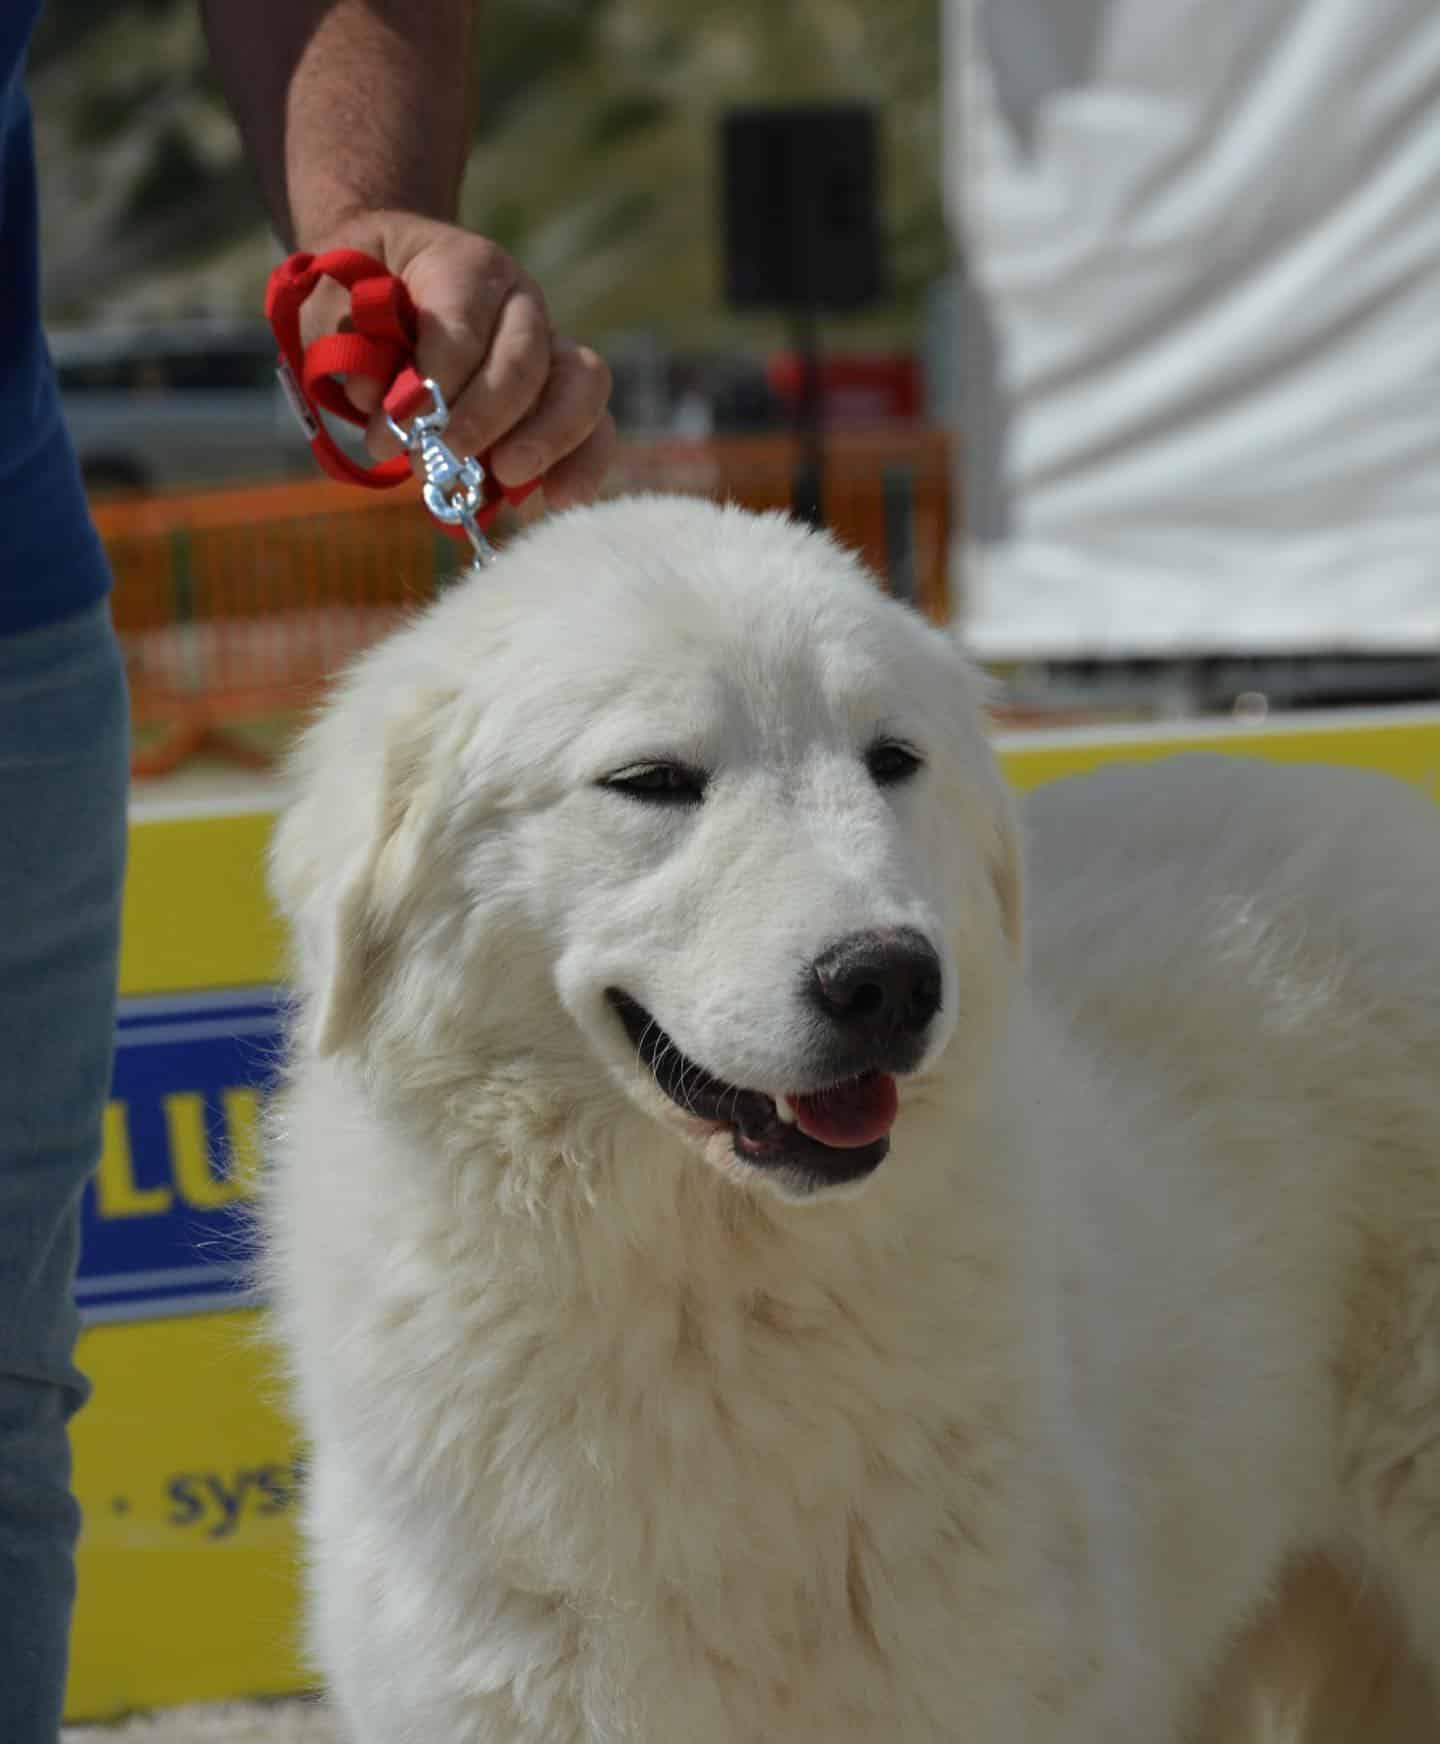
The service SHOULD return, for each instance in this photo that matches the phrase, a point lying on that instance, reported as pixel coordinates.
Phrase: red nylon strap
(381, 347)
(311, 374)
(409, 395)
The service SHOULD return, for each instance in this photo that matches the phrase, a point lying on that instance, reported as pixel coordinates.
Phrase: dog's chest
(779, 1506)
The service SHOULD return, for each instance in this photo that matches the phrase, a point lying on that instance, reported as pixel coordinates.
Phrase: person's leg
(63, 771)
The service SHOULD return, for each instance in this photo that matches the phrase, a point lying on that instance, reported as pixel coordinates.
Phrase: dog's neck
(602, 1194)
(603, 1269)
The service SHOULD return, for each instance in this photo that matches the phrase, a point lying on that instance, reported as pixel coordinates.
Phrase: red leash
(463, 495)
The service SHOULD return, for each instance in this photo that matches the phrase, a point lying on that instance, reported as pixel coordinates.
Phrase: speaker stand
(807, 488)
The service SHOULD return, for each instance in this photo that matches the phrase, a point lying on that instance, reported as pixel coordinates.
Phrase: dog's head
(671, 800)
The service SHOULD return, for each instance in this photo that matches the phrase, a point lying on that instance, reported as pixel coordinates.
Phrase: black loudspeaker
(801, 209)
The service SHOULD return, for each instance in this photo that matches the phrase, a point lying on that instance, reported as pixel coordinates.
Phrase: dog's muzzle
(872, 998)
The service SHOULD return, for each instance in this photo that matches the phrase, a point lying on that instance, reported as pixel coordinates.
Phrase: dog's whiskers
(683, 1079)
(644, 1037)
(687, 1071)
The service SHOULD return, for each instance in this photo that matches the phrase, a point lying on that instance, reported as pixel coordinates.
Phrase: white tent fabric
(1202, 361)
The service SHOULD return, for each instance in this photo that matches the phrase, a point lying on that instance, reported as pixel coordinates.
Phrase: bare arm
(347, 106)
(355, 116)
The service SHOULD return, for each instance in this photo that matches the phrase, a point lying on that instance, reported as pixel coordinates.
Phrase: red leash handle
(381, 346)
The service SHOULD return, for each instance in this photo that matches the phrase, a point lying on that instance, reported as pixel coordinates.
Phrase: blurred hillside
(593, 158)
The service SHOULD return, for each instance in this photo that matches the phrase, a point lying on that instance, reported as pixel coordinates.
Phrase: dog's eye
(890, 763)
(659, 783)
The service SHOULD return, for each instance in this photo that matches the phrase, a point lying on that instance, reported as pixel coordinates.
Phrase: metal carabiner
(454, 489)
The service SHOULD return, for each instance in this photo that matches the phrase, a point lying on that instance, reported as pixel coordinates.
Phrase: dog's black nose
(881, 984)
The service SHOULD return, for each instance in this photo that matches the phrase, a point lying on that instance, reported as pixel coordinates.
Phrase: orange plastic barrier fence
(234, 607)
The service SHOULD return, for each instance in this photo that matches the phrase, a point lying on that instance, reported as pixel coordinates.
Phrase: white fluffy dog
(743, 1290)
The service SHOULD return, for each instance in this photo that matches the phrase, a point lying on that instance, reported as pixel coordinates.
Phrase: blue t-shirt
(51, 562)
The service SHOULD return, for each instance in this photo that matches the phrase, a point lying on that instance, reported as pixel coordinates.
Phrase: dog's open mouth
(837, 1134)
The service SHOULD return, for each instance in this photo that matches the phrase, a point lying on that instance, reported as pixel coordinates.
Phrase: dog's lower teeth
(785, 1108)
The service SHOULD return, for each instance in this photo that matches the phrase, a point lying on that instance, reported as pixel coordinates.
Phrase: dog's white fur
(614, 1441)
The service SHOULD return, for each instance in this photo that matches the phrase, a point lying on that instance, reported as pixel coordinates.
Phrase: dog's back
(1259, 947)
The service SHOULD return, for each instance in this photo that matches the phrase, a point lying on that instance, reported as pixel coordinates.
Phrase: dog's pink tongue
(850, 1115)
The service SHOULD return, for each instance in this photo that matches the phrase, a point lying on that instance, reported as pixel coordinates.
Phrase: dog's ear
(343, 879)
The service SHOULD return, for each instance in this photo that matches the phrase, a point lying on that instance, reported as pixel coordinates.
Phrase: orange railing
(235, 606)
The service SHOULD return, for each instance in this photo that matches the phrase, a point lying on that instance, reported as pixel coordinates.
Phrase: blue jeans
(64, 740)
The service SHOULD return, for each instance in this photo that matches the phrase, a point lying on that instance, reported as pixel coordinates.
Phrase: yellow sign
(185, 1464)
(1400, 742)
(184, 1461)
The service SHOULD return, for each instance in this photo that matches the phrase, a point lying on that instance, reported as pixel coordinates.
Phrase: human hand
(534, 403)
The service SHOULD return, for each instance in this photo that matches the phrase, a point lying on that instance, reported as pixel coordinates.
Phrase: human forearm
(347, 106)
(355, 116)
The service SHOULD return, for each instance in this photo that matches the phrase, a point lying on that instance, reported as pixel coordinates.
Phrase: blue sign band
(166, 1216)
